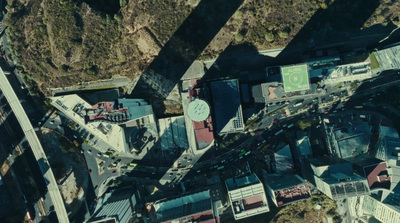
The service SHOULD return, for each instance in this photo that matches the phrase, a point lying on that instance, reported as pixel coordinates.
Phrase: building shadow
(184, 46)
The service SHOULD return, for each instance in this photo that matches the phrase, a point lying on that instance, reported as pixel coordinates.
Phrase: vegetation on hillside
(58, 43)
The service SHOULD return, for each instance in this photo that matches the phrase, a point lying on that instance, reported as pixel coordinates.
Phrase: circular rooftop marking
(295, 78)
(198, 110)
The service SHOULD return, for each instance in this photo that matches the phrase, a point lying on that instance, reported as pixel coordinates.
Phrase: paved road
(36, 148)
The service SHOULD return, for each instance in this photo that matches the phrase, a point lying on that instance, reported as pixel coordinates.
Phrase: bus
(242, 153)
(278, 132)
(133, 164)
(358, 106)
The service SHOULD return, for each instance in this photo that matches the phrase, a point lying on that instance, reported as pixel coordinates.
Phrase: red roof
(204, 135)
(199, 125)
(378, 176)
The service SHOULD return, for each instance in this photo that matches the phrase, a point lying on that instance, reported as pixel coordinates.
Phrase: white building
(104, 120)
(385, 213)
(343, 73)
(247, 196)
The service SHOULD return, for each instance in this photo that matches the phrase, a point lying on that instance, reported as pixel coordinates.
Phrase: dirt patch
(70, 191)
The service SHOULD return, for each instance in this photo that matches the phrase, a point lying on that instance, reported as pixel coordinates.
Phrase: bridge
(37, 148)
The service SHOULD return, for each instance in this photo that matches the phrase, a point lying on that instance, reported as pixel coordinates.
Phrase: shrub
(64, 68)
(380, 18)
(269, 37)
(239, 37)
(283, 34)
(93, 70)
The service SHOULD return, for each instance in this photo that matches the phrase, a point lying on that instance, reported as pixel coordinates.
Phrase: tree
(239, 37)
(122, 3)
(270, 37)
(283, 34)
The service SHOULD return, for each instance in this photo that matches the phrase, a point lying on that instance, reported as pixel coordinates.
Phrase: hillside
(59, 43)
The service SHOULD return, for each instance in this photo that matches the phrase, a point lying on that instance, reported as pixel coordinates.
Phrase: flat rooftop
(295, 78)
(288, 188)
(377, 176)
(173, 132)
(189, 205)
(388, 58)
(227, 106)
(111, 135)
(236, 183)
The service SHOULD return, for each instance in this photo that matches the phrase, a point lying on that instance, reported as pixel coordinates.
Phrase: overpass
(37, 148)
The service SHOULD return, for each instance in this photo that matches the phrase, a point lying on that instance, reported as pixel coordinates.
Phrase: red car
(89, 171)
(114, 171)
(274, 120)
(266, 111)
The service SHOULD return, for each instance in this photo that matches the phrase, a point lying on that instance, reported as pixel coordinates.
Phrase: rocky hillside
(64, 42)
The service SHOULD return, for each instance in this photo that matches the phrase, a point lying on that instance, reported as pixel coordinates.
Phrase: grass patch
(374, 61)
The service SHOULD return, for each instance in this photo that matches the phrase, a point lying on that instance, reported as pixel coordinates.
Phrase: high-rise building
(286, 189)
(247, 196)
(197, 207)
(335, 178)
(115, 207)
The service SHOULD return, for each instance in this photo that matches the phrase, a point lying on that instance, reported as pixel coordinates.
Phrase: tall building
(286, 189)
(335, 178)
(109, 122)
(388, 150)
(247, 196)
(130, 112)
(115, 207)
(227, 106)
(197, 207)
(197, 113)
(385, 213)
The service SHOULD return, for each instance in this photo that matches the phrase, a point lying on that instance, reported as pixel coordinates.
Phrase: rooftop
(172, 132)
(347, 137)
(116, 206)
(388, 58)
(295, 78)
(377, 176)
(227, 106)
(111, 135)
(119, 111)
(192, 206)
(288, 189)
(348, 72)
(236, 183)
